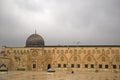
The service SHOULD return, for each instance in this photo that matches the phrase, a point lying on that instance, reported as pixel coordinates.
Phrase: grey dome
(34, 40)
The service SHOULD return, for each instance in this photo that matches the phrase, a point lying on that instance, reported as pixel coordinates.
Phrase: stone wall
(62, 58)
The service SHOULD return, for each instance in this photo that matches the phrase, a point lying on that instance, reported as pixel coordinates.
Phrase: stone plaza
(32, 75)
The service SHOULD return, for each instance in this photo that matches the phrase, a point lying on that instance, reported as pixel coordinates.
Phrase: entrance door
(49, 66)
(34, 65)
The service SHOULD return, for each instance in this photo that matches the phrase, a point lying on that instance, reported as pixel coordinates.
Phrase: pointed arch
(75, 58)
(75, 61)
(89, 59)
(62, 58)
(103, 58)
(62, 61)
(116, 59)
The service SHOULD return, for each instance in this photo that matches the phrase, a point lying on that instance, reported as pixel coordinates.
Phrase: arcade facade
(36, 56)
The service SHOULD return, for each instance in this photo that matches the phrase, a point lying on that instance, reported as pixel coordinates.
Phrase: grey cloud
(36, 5)
(60, 21)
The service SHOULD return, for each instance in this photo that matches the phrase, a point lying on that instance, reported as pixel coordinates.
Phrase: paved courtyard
(29, 75)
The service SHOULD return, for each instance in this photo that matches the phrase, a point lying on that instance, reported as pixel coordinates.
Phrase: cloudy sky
(60, 22)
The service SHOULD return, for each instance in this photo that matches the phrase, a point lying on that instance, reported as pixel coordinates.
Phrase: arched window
(98, 51)
(117, 59)
(53, 51)
(57, 51)
(84, 51)
(89, 58)
(107, 51)
(62, 58)
(103, 59)
(103, 51)
(75, 51)
(66, 51)
(70, 51)
(113, 51)
(75, 58)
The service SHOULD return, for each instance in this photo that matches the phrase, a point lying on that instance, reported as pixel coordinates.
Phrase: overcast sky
(60, 22)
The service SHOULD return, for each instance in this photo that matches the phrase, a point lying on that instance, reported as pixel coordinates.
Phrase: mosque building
(36, 56)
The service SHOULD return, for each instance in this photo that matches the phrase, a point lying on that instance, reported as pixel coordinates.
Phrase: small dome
(34, 40)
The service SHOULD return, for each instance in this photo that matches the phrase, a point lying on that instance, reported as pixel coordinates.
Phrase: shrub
(21, 69)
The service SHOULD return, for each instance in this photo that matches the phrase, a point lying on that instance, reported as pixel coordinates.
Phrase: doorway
(34, 65)
(49, 66)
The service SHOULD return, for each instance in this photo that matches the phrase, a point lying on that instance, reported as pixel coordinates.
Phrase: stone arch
(34, 65)
(75, 58)
(103, 59)
(89, 59)
(62, 55)
(62, 60)
(115, 62)
(104, 62)
(47, 63)
(116, 59)
(48, 66)
(75, 61)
